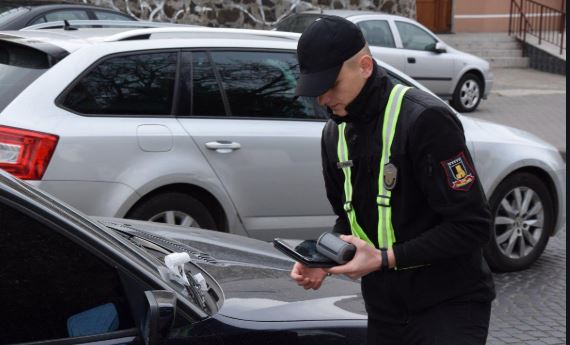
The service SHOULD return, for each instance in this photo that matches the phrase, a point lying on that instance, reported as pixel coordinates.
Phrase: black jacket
(440, 215)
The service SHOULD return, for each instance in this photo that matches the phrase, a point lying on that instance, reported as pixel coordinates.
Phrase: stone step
(508, 62)
(479, 37)
(487, 53)
(485, 45)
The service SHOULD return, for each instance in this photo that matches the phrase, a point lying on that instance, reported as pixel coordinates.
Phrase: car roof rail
(146, 33)
(100, 23)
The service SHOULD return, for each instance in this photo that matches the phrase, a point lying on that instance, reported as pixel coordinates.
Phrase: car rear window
(131, 84)
(19, 67)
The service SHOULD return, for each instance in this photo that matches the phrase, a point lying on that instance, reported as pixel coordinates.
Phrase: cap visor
(315, 84)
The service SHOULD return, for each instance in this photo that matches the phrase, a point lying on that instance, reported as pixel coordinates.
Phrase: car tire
(176, 209)
(523, 219)
(467, 93)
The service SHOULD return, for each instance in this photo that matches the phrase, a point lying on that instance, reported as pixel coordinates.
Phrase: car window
(377, 33)
(138, 84)
(303, 22)
(61, 15)
(9, 14)
(51, 287)
(19, 67)
(415, 38)
(206, 95)
(262, 84)
(297, 23)
(105, 15)
(286, 24)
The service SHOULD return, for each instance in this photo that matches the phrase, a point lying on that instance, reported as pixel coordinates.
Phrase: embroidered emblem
(390, 176)
(459, 174)
(344, 164)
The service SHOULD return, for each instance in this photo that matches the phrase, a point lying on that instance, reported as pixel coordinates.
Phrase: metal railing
(528, 17)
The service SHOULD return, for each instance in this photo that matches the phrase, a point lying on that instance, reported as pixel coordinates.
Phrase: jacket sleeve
(333, 182)
(449, 181)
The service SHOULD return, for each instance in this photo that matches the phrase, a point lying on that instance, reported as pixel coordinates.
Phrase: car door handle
(412, 60)
(223, 146)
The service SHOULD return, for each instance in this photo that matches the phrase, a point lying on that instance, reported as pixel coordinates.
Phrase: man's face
(348, 84)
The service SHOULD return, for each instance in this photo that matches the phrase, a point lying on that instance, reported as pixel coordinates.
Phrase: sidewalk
(530, 100)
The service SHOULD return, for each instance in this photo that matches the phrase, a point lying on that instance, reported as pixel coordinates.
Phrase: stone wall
(260, 14)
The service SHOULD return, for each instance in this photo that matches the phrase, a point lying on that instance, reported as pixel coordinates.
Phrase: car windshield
(8, 13)
(19, 67)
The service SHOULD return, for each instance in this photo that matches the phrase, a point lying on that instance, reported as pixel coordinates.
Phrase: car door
(263, 144)
(432, 69)
(55, 287)
(380, 38)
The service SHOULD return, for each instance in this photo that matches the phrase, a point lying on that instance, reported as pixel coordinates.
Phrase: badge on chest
(390, 176)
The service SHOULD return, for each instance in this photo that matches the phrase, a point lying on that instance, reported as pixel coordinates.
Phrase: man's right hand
(308, 278)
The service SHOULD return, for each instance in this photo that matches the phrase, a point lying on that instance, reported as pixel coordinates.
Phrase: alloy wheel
(175, 218)
(519, 222)
(469, 93)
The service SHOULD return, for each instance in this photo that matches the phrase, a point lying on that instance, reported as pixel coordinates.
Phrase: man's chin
(340, 113)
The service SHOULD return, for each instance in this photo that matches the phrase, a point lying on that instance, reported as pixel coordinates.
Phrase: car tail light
(25, 154)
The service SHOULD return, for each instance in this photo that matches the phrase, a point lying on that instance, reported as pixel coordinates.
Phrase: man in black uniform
(401, 180)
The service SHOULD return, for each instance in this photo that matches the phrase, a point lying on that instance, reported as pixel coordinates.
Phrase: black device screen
(303, 251)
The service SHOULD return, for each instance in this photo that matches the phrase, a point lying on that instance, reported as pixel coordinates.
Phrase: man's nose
(322, 99)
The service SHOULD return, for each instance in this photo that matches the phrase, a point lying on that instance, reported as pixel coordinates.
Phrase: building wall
(487, 15)
(260, 14)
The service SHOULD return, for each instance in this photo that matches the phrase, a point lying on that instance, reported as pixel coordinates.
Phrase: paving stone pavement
(530, 308)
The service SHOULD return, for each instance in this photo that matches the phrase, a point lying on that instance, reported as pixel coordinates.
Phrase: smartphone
(303, 251)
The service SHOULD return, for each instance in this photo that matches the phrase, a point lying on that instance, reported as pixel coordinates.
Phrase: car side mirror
(440, 47)
(159, 317)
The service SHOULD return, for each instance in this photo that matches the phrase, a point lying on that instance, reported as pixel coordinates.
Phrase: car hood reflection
(255, 278)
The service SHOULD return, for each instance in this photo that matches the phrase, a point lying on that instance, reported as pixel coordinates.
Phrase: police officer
(401, 180)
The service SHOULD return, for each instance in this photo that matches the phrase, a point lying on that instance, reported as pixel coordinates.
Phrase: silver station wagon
(199, 127)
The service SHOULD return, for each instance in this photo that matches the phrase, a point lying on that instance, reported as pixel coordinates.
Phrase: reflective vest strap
(342, 151)
(386, 235)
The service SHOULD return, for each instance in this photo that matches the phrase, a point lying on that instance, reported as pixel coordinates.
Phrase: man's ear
(365, 65)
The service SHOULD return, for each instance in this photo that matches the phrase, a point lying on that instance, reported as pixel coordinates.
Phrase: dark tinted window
(10, 14)
(139, 84)
(297, 23)
(19, 67)
(262, 84)
(206, 95)
(61, 15)
(377, 33)
(52, 288)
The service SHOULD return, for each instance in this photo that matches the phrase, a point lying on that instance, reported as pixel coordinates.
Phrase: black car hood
(255, 278)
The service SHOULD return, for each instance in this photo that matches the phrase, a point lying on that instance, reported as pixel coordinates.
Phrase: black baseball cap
(322, 49)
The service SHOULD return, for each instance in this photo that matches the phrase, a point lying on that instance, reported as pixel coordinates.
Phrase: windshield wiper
(193, 289)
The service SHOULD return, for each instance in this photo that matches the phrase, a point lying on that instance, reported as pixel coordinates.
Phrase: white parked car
(199, 126)
(453, 75)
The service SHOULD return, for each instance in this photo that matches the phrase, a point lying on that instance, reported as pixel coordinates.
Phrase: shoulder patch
(460, 175)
